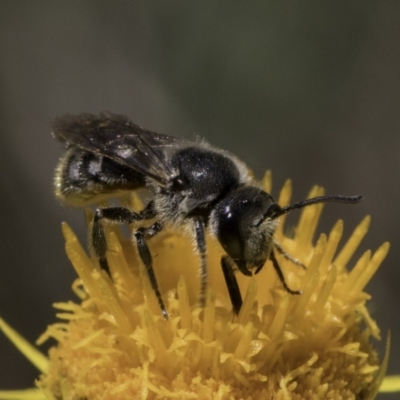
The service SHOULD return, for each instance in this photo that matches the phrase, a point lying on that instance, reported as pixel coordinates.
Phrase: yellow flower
(114, 343)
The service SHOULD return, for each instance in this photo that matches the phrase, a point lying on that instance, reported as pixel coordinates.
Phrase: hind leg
(113, 215)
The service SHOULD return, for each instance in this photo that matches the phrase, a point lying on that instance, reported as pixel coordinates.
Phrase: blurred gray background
(309, 90)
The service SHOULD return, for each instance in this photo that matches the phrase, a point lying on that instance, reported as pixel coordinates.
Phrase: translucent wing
(116, 137)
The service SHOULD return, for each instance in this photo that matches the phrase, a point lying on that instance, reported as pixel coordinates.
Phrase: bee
(194, 186)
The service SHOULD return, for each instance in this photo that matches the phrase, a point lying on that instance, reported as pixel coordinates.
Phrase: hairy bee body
(193, 185)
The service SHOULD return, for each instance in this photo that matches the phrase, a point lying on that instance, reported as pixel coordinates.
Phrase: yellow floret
(114, 344)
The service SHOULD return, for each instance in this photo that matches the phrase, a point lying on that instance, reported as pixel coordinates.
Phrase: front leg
(279, 248)
(280, 274)
(116, 215)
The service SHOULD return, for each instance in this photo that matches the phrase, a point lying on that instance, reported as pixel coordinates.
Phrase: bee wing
(116, 137)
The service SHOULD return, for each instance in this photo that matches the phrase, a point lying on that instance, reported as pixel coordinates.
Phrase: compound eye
(230, 238)
(237, 220)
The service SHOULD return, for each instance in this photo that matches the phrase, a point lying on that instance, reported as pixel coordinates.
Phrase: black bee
(194, 185)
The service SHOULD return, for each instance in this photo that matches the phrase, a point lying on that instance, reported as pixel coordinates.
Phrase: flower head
(114, 344)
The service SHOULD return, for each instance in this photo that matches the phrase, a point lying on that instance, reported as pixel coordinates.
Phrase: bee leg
(116, 215)
(278, 247)
(228, 269)
(200, 237)
(280, 274)
(141, 235)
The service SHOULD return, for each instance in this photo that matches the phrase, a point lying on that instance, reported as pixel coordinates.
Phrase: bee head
(244, 224)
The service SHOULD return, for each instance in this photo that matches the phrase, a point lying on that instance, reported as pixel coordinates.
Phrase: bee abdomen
(83, 178)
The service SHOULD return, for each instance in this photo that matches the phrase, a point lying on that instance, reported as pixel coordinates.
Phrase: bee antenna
(316, 200)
